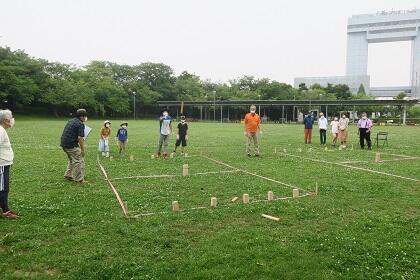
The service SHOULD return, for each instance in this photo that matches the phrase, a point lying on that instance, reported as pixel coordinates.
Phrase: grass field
(362, 225)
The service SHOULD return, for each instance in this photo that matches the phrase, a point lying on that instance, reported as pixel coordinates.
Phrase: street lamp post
(134, 105)
(214, 105)
(259, 105)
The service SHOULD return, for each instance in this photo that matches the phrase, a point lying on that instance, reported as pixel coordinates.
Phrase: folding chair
(382, 136)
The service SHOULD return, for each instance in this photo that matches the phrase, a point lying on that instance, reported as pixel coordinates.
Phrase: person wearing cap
(122, 138)
(364, 125)
(165, 128)
(72, 142)
(104, 139)
(6, 160)
(322, 125)
(252, 128)
(308, 121)
(182, 136)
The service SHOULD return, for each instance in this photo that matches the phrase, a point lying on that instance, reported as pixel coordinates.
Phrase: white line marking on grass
(173, 175)
(254, 174)
(397, 159)
(210, 208)
(353, 167)
(114, 190)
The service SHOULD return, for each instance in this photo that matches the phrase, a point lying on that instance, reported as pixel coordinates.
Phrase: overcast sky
(215, 39)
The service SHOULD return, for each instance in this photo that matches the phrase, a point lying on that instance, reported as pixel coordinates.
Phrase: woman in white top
(6, 161)
(334, 130)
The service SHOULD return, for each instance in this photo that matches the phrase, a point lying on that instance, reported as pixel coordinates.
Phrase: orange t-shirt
(252, 122)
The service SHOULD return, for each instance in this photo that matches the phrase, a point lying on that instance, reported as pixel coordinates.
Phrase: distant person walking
(365, 125)
(308, 121)
(322, 125)
(72, 142)
(6, 161)
(252, 128)
(343, 125)
(165, 128)
(334, 130)
(122, 138)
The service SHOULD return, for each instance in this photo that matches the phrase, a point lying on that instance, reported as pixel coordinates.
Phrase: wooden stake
(234, 199)
(295, 193)
(316, 188)
(275, 150)
(171, 155)
(245, 198)
(131, 158)
(271, 217)
(185, 170)
(270, 195)
(175, 206)
(213, 202)
(152, 156)
(111, 158)
(285, 151)
(185, 155)
(377, 157)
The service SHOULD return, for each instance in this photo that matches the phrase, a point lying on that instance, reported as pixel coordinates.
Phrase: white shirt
(322, 123)
(6, 152)
(334, 126)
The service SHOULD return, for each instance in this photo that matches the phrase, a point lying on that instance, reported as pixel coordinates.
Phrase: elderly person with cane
(72, 142)
(6, 161)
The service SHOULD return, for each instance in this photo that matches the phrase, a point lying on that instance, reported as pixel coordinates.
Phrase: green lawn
(362, 225)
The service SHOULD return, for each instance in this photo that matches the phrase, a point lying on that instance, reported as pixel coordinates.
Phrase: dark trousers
(181, 140)
(4, 187)
(364, 134)
(323, 135)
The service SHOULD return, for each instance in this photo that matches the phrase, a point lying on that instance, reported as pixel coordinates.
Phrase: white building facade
(381, 27)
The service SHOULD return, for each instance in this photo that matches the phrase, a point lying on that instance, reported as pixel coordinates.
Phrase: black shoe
(257, 155)
(249, 155)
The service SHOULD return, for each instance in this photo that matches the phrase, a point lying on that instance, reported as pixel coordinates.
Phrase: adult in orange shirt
(252, 127)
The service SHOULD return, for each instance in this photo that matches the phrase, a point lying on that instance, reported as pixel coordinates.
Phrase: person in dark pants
(323, 125)
(365, 125)
(6, 161)
(308, 121)
(72, 142)
(182, 136)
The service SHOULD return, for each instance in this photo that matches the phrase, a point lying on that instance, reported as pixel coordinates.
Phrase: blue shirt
(308, 121)
(71, 133)
(122, 134)
(165, 125)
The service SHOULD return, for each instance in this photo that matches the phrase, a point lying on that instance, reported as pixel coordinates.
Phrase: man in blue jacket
(308, 121)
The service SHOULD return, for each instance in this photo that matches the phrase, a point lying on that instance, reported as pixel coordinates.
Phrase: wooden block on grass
(377, 157)
(152, 156)
(175, 206)
(271, 217)
(270, 195)
(213, 202)
(131, 158)
(185, 170)
(316, 189)
(245, 198)
(234, 199)
(295, 193)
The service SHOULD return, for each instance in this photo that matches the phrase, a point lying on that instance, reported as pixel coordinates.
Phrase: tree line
(104, 88)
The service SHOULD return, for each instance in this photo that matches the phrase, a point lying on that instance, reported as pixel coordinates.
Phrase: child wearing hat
(182, 135)
(103, 140)
(122, 138)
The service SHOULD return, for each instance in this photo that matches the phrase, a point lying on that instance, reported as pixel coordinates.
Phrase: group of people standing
(339, 129)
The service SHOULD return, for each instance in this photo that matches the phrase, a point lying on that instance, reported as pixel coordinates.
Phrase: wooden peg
(271, 217)
(245, 198)
(175, 206)
(377, 157)
(213, 202)
(270, 195)
(295, 193)
(185, 170)
(234, 199)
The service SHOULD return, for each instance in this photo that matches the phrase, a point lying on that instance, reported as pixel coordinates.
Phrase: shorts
(181, 141)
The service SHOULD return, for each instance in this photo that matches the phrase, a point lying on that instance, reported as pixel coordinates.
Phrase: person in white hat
(104, 139)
